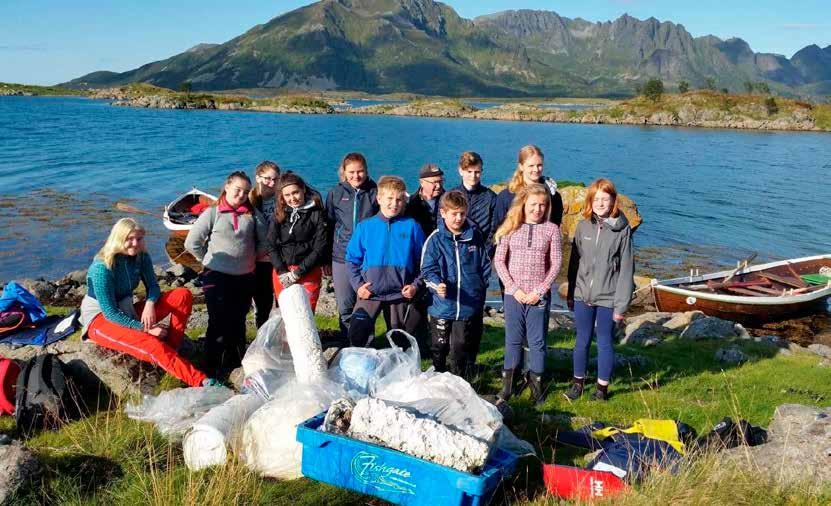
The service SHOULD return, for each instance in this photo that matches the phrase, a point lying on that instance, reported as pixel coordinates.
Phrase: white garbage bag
(175, 411)
(207, 442)
(363, 371)
(269, 350)
(269, 444)
(301, 334)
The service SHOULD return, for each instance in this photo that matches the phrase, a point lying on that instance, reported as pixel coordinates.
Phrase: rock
(731, 355)
(824, 363)
(96, 370)
(42, 289)
(326, 304)
(236, 378)
(561, 321)
(181, 272)
(159, 272)
(741, 332)
(75, 278)
(795, 348)
(820, 349)
(17, 465)
(647, 334)
(633, 323)
(683, 320)
(770, 340)
(798, 449)
(709, 327)
(198, 319)
(643, 293)
(562, 290)
(573, 199)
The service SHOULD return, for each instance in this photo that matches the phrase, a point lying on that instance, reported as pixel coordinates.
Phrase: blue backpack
(15, 298)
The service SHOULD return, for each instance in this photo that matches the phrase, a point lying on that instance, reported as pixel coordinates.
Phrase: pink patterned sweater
(529, 258)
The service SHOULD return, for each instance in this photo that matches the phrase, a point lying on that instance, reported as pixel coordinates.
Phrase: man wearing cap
(423, 207)
(424, 204)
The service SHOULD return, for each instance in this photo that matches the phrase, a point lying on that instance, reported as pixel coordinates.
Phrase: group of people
(424, 261)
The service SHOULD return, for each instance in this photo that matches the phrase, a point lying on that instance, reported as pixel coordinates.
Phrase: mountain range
(425, 47)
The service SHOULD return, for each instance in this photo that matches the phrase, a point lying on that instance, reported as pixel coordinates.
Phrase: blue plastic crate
(392, 475)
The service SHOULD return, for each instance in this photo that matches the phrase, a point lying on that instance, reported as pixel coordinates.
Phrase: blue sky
(51, 41)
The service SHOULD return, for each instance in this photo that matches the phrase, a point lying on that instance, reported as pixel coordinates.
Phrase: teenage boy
(383, 259)
(456, 267)
(481, 199)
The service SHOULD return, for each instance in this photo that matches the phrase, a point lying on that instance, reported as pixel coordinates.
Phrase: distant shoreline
(696, 109)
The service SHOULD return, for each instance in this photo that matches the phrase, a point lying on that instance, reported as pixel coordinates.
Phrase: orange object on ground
(311, 282)
(9, 370)
(177, 303)
(576, 483)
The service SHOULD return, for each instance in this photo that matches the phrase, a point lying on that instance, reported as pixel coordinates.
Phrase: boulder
(573, 200)
(710, 327)
(822, 350)
(643, 293)
(647, 334)
(75, 278)
(680, 321)
(731, 355)
(17, 465)
(798, 448)
(96, 370)
(42, 289)
(182, 272)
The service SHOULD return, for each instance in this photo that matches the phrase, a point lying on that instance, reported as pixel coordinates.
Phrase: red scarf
(224, 207)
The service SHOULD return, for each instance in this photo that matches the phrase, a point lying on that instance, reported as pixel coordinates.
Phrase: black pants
(474, 337)
(228, 298)
(362, 322)
(263, 292)
(416, 324)
(450, 337)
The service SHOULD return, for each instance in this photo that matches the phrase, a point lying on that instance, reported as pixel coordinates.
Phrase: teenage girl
(225, 239)
(297, 237)
(600, 283)
(263, 198)
(527, 260)
(112, 320)
(352, 200)
(529, 170)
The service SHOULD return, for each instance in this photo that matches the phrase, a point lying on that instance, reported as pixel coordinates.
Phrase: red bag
(9, 370)
(577, 483)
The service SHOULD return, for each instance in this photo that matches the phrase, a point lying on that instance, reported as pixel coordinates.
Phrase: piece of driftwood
(782, 279)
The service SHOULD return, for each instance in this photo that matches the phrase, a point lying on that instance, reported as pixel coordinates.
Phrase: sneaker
(211, 382)
(573, 393)
(599, 395)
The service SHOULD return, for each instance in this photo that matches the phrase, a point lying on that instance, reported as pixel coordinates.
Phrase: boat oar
(127, 208)
(742, 265)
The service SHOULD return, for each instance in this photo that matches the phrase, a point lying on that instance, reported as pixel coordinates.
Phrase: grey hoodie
(219, 247)
(602, 263)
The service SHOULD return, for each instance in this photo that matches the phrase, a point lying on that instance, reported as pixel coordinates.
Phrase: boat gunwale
(168, 223)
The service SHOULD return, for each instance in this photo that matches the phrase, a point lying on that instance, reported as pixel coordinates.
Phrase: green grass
(41, 90)
(822, 116)
(110, 459)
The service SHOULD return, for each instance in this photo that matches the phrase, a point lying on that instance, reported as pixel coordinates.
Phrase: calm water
(707, 196)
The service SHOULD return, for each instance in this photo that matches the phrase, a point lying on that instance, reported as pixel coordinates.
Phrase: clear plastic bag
(269, 444)
(175, 411)
(364, 371)
(270, 349)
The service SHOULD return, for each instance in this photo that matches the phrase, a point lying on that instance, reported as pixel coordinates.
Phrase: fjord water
(708, 197)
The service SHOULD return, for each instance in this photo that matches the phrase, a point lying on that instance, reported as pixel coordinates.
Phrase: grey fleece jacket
(223, 249)
(602, 265)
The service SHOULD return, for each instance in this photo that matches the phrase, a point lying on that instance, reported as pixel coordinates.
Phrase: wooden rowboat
(750, 294)
(178, 216)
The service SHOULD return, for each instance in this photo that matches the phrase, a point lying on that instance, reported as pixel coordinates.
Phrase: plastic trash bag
(265, 382)
(301, 334)
(269, 440)
(207, 442)
(175, 411)
(364, 371)
(269, 350)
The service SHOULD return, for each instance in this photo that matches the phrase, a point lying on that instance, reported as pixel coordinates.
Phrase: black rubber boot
(507, 384)
(601, 394)
(576, 390)
(537, 393)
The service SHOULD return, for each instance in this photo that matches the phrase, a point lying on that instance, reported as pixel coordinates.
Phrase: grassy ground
(110, 459)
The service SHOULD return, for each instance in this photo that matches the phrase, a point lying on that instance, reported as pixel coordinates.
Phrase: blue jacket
(481, 204)
(463, 264)
(386, 253)
(346, 207)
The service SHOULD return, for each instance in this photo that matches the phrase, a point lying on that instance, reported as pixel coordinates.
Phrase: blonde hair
(516, 214)
(114, 244)
(470, 159)
(391, 184)
(605, 186)
(526, 152)
(351, 158)
(255, 196)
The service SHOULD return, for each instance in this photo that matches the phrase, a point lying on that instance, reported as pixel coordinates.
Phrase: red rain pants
(311, 282)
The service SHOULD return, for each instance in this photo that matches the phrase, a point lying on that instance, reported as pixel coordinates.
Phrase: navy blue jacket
(386, 253)
(481, 204)
(505, 197)
(420, 210)
(462, 263)
(345, 207)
